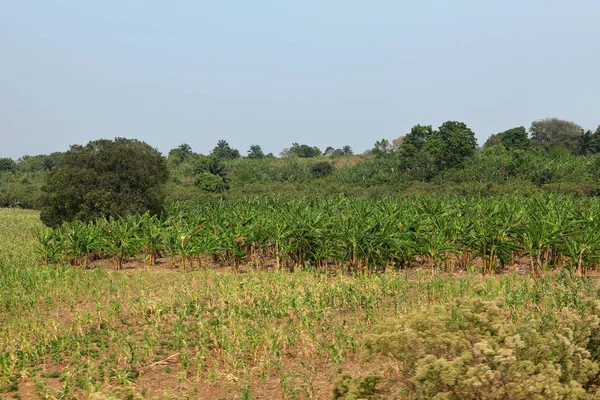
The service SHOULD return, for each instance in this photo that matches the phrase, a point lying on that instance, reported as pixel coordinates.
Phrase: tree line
(125, 175)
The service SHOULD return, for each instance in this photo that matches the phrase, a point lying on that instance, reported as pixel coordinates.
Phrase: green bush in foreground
(472, 349)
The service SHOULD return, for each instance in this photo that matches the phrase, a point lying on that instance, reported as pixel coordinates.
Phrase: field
(346, 234)
(206, 332)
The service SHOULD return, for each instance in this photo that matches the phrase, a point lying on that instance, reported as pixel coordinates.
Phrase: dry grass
(67, 332)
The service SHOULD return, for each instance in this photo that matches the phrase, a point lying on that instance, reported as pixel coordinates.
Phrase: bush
(106, 179)
(210, 182)
(472, 349)
(321, 169)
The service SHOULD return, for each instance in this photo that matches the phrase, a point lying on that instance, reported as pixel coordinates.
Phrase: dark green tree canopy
(321, 169)
(7, 165)
(255, 152)
(105, 178)
(589, 143)
(416, 139)
(515, 138)
(344, 151)
(553, 132)
(452, 144)
(302, 151)
(223, 150)
(495, 139)
(423, 152)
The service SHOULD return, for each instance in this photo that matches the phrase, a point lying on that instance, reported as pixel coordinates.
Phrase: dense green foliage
(350, 234)
(301, 150)
(104, 179)
(515, 138)
(224, 151)
(559, 157)
(7, 165)
(20, 189)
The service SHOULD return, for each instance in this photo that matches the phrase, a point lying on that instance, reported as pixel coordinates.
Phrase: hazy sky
(275, 72)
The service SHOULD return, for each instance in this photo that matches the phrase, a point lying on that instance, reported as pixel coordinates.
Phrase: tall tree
(451, 144)
(382, 148)
(588, 143)
(255, 152)
(347, 151)
(554, 132)
(514, 138)
(328, 151)
(414, 141)
(224, 151)
(210, 174)
(414, 157)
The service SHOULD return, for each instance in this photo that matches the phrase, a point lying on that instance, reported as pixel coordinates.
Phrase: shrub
(321, 169)
(104, 178)
(472, 349)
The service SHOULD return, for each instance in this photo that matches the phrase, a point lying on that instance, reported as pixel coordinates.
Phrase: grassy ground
(69, 333)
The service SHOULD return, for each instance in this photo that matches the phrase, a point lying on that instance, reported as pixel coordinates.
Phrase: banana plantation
(345, 234)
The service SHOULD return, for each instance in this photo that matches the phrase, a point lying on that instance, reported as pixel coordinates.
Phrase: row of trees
(550, 134)
(425, 152)
(109, 178)
(446, 147)
(39, 163)
(225, 152)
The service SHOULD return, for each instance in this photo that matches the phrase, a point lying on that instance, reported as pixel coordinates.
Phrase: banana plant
(581, 243)
(490, 235)
(122, 239)
(48, 246)
(152, 237)
(79, 241)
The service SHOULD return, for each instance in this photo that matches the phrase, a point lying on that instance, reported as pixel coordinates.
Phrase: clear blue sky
(275, 72)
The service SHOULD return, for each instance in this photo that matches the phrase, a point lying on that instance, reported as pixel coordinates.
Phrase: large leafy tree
(414, 141)
(425, 151)
(515, 138)
(105, 178)
(414, 158)
(7, 164)
(451, 145)
(553, 132)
